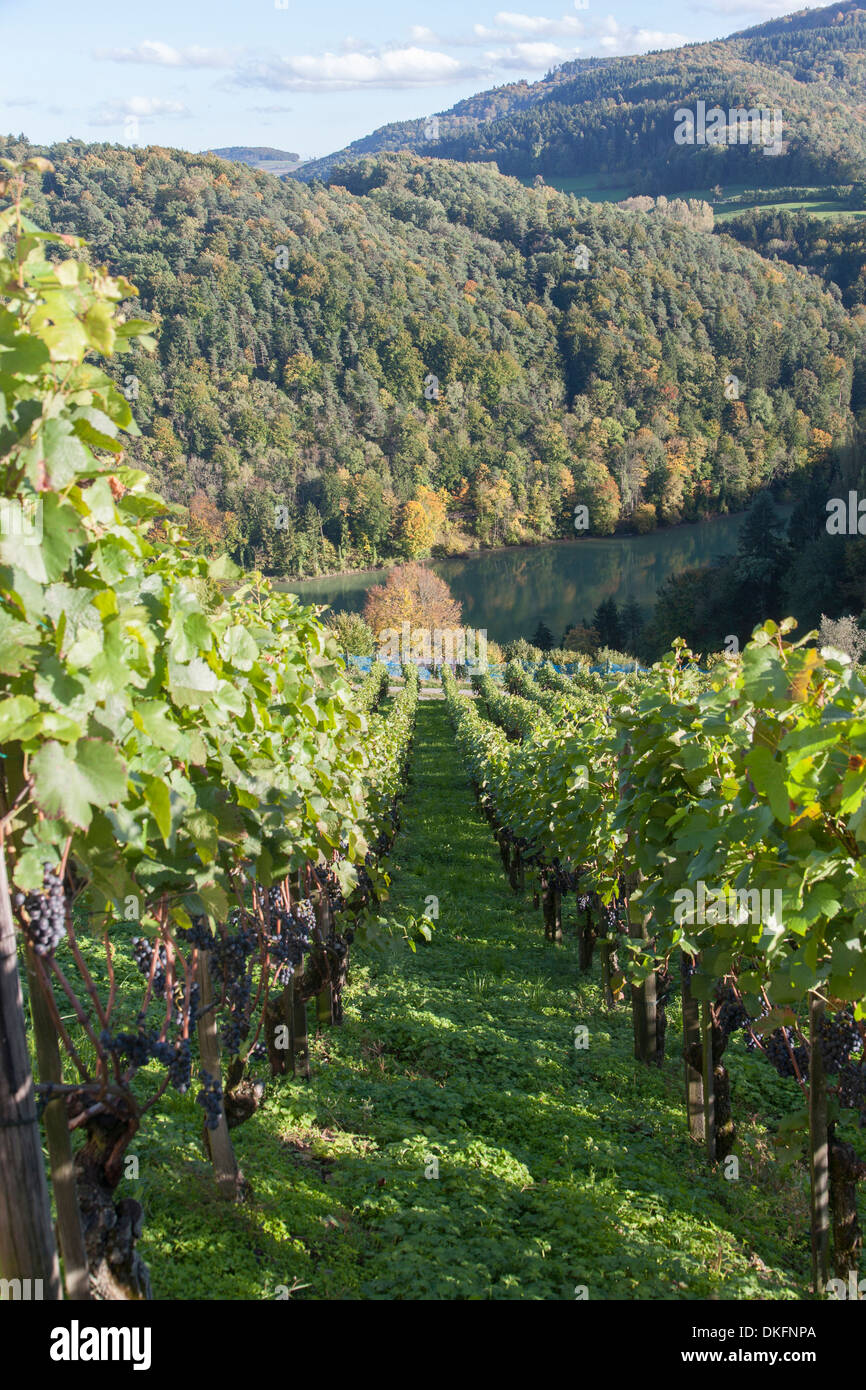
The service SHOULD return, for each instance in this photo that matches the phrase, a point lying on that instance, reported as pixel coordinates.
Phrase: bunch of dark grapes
(852, 1088)
(779, 1057)
(137, 1048)
(180, 1067)
(294, 939)
(45, 922)
(688, 965)
(331, 885)
(142, 954)
(559, 878)
(198, 935)
(610, 918)
(837, 1038)
(731, 1013)
(179, 997)
(229, 965)
(211, 1098)
(304, 918)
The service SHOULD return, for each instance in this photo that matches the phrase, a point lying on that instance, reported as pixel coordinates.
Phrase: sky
(300, 76)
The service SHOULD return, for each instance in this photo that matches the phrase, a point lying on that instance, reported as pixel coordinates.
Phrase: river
(507, 591)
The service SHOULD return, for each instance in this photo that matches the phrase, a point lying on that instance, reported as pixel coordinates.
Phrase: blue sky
(302, 76)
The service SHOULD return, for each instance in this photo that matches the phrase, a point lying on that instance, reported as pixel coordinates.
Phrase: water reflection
(508, 591)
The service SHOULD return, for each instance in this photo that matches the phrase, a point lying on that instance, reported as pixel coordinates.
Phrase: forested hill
(615, 116)
(669, 373)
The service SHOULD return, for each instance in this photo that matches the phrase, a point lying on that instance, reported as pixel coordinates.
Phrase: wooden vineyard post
(300, 1045)
(278, 1016)
(644, 1007)
(298, 1008)
(692, 1055)
(57, 1135)
(27, 1247)
(607, 971)
(819, 1153)
(708, 1081)
(551, 904)
(515, 872)
(222, 1152)
(644, 996)
(325, 996)
(586, 940)
(846, 1170)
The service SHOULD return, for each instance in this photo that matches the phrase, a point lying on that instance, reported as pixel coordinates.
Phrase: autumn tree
(411, 594)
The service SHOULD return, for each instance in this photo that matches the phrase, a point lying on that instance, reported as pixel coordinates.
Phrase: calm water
(508, 591)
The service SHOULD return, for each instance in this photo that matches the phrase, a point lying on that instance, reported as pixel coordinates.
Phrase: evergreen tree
(543, 638)
(631, 625)
(607, 624)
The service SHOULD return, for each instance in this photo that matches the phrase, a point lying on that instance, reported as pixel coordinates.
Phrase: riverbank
(507, 590)
(375, 570)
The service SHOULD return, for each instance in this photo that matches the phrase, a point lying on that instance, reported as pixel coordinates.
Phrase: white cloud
(624, 39)
(163, 55)
(538, 57)
(143, 108)
(270, 110)
(510, 25)
(333, 72)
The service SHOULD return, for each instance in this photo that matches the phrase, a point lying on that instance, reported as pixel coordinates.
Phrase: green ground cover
(592, 187)
(557, 1167)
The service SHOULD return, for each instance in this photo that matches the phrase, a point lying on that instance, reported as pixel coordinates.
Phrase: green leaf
(222, 568)
(768, 777)
(158, 798)
(16, 718)
(154, 719)
(239, 648)
(70, 781)
(17, 642)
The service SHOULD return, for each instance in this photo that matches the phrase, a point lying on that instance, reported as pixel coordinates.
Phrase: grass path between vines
(558, 1168)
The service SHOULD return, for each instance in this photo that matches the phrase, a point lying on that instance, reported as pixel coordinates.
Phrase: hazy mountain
(435, 354)
(263, 157)
(614, 118)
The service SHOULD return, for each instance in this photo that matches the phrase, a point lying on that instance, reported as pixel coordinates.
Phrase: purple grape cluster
(231, 968)
(838, 1037)
(199, 935)
(779, 1057)
(731, 1013)
(44, 913)
(210, 1097)
(142, 954)
(180, 1067)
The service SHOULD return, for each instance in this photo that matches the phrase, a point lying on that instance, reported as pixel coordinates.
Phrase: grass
(558, 1167)
(592, 187)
